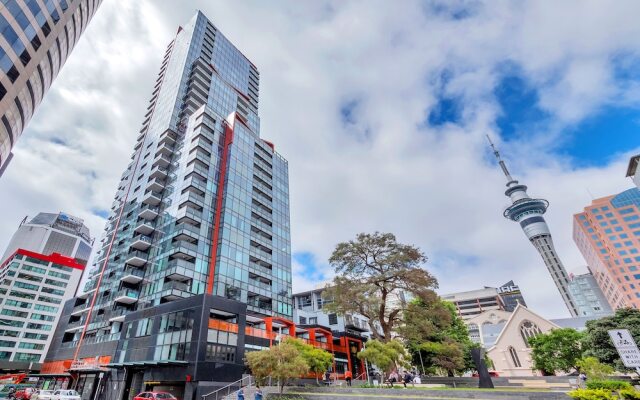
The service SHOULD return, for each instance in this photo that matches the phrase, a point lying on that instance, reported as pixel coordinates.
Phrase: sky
(382, 110)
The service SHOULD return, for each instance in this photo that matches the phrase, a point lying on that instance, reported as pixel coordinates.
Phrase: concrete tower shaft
(529, 213)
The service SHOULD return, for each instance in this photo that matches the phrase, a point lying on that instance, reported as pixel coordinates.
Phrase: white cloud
(436, 188)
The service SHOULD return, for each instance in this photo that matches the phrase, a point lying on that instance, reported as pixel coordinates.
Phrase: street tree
(597, 342)
(318, 360)
(557, 350)
(370, 271)
(385, 355)
(281, 362)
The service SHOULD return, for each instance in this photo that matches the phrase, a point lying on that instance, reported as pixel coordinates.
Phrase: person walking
(240, 393)
(406, 378)
(583, 379)
(258, 395)
(348, 376)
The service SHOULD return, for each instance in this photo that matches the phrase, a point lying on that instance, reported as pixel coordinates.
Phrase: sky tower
(528, 212)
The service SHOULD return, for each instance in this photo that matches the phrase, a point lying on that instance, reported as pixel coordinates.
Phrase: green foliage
(608, 384)
(281, 362)
(437, 337)
(592, 394)
(558, 350)
(597, 342)
(385, 356)
(593, 368)
(629, 394)
(370, 270)
(317, 359)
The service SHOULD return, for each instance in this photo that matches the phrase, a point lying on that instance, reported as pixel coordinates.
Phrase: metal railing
(227, 392)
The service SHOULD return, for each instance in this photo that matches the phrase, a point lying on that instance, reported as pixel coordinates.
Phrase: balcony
(75, 325)
(195, 185)
(152, 198)
(132, 275)
(141, 242)
(186, 232)
(189, 216)
(191, 199)
(174, 290)
(159, 172)
(164, 149)
(145, 227)
(137, 258)
(168, 137)
(148, 212)
(184, 250)
(79, 309)
(118, 315)
(126, 296)
(156, 184)
(162, 161)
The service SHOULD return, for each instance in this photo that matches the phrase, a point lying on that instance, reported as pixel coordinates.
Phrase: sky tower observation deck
(529, 213)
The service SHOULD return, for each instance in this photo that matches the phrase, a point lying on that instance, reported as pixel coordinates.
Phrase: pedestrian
(583, 379)
(406, 378)
(258, 395)
(348, 376)
(240, 393)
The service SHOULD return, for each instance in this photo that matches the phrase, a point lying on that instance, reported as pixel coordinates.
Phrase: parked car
(65, 395)
(43, 395)
(154, 396)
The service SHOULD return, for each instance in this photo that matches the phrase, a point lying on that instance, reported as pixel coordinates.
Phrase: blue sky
(381, 111)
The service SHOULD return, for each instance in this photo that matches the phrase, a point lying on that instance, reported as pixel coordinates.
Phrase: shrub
(594, 368)
(608, 384)
(592, 394)
(630, 394)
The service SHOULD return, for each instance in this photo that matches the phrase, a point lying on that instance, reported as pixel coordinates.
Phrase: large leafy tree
(282, 362)
(597, 342)
(370, 271)
(436, 336)
(557, 350)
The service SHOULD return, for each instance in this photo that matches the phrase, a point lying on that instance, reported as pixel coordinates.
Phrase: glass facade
(35, 40)
(203, 206)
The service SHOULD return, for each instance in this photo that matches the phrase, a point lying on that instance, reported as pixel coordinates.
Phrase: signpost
(627, 348)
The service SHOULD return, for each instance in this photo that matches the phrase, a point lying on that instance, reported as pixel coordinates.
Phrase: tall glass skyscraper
(195, 265)
(36, 37)
(607, 233)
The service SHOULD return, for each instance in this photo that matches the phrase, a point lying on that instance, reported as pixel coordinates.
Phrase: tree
(318, 360)
(558, 350)
(385, 355)
(593, 368)
(370, 271)
(597, 342)
(436, 336)
(282, 362)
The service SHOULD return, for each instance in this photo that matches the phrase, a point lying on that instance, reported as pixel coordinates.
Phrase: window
(31, 346)
(313, 321)
(26, 357)
(514, 357)
(303, 320)
(528, 330)
(7, 343)
(333, 319)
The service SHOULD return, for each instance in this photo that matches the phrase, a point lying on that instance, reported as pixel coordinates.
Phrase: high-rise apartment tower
(607, 233)
(41, 269)
(36, 38)
(529, 213)
(195, 265)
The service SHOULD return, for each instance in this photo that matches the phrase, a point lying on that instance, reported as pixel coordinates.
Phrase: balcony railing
(127, 296)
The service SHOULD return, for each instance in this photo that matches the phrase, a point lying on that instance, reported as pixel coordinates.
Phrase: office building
(40, 270)
(633, 170)
(36, 40)
(473, 302)
(194, 268)
(607, 233)
(511, 296)
(590, 300)
(529, 213)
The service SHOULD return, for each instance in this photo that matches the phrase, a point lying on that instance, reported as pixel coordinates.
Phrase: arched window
(474, 332)
(514, 357)
(528, 330)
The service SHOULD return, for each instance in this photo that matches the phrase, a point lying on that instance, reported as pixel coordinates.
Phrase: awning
(62, 375)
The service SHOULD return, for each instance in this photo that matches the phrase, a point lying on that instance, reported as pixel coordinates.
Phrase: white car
(65, 395)
(42, 395)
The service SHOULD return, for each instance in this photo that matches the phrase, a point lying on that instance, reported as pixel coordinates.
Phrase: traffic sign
(626, 346)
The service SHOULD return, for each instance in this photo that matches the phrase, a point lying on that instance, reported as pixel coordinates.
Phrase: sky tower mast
(528, 212)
